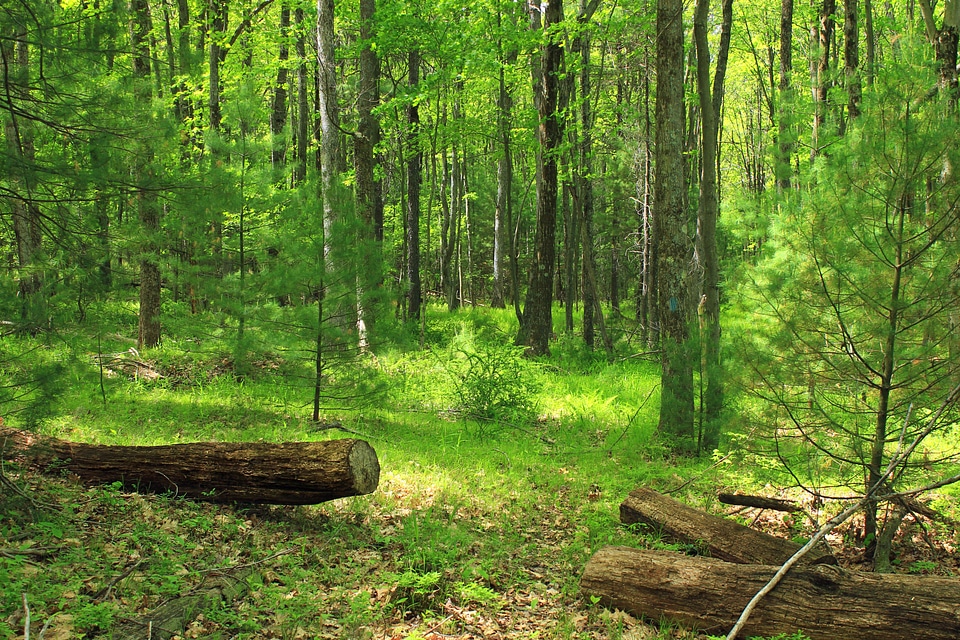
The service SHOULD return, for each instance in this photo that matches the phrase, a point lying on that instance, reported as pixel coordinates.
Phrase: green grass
(482, 523)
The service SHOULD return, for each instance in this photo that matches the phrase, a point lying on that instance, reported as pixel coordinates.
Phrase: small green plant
(472, 592)
(495, 383)
(418, 592)
(922, 567)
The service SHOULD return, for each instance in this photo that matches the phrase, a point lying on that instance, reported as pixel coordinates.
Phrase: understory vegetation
(501, 476)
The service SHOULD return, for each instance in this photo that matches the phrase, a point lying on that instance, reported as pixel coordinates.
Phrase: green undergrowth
(501, 476)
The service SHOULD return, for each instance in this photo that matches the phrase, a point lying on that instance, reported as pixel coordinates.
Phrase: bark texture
(823, 601)
(712, 535)
(671, 236)
(255, 472)
(173, 617)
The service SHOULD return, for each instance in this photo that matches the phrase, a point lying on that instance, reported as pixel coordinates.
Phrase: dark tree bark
(786, 137)
(591, 302)
(945, 42)
(536, 325)
(821, 68)
(822, 601)
(278, 112)
(303, 113)
(851, 57)
(711, 535)
(254, 472)
(414, 164)
(673, 249)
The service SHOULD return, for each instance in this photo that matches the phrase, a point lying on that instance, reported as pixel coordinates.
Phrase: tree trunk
(851, 58)
(369, 198)
(673, 250)
(822, 601)
(302, 136)
(255, 472)
(148, 334)
(536, 326)
(591, 302)
(711, 535)
(329, 118)
(26, 214)
(503, 211)
(414, 163)
(278, 112)
(821, 69)
(786, 138)
(708, 212)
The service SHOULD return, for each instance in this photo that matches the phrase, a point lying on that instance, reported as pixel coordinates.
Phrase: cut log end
(365, 467)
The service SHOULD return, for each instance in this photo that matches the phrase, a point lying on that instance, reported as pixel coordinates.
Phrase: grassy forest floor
(480, 528)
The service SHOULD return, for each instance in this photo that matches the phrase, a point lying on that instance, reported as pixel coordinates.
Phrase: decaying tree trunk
(172, 618)
(712, 535)
(259, 472)
(823, 601)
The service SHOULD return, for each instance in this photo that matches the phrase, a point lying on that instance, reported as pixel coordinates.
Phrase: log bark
(172, 618)
(823, 601)
(255, 472)
(711, 535)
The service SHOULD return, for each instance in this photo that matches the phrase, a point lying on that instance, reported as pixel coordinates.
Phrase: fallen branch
(759, 502)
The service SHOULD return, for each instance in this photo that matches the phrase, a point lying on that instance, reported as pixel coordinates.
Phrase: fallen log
(711, 535)
(822, 601)
(172, 617)
(254, 472)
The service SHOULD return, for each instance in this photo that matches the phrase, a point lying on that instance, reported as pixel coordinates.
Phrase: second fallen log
(254, 472)
(825, 602)
(712, 535)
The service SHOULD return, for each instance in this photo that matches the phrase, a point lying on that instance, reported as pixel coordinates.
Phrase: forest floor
(479, 529)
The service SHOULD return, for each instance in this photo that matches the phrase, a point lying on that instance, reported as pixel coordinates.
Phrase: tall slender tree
(673, 248)
(414, 163)
(147, 209)
(536, 325)
(708, 212)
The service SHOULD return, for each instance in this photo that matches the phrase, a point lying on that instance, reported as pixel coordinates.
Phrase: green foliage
(495, 384)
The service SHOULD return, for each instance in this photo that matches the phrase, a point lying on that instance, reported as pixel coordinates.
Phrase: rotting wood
(822, 601)
(710, 535)
(759, 502)
(172, 617)
(254, 472)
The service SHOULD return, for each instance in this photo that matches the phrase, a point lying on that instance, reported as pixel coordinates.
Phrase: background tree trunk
(536, 325)
(414, 162)
(673, 250)
(148, 334)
